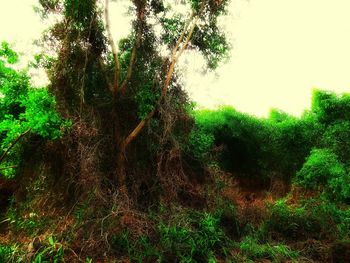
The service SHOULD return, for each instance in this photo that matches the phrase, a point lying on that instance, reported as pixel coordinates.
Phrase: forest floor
(82, 230)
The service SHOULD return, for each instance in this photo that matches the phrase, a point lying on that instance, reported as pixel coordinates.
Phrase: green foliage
(80, 11)
(330, 107)
(253, 250)
(212, 43)
(30, 222)
(23, 109)
(242, 136)
(200, 143)
(51, 252)
(322, 169)
(207, 38)
(290, 142)
(213, 7)
(146, 99)
(145, 90)
(40, 114)
(8, 53)
(9, 253)
(337, 138)
(199, 239)
(263, 148)
(291, 223)
(193, 245)
(335, 220)
(320, 166)
(314, 218)
(172, 29)
(139, 250)
(281, 144)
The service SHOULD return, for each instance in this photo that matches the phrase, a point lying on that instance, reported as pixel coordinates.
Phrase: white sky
(282, 49)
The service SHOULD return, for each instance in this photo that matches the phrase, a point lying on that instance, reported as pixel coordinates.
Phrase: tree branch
(3, 156)
(102, 66)
(132, 62)
(138, 128)
(189, 36)
(140, 21)
(114, 50)
(8, 167)
(178, 43)
(176, 53)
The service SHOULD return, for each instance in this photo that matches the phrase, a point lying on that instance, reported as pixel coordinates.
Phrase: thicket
(309, 153)
(313, 148)
(139, 175)
(24, 111)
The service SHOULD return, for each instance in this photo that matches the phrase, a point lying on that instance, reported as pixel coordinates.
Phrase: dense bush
(290, 223)
(279, 145)
(316, 219)
(200, 144)
(23, 110)
(252, 147)
(330, 107)
(335, 220)
(291, 140)
(337, 138)
(242, 137)
(322, 170)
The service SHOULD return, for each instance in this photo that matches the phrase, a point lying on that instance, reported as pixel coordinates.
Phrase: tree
(135, 85)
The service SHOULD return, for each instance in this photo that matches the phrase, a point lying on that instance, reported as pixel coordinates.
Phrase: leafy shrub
(321, 165)
(330, 107)
(337, 138)
(257, 148)
(334, 221)
(200, 144)
(314, 218)
(193, 245)
(291, 140)
(241, 135)
(323, 170)
(279, 145)
(290, 223)
(23, 110)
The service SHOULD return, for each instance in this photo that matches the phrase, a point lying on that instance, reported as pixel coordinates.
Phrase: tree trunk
(120, 167)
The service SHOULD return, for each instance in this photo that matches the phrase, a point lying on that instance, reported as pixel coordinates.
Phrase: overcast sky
(282, 49)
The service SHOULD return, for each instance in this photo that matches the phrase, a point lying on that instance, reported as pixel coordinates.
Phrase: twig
(82, 92)
(140, 18)
(8, 167)
(3, 156)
